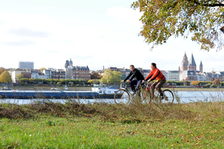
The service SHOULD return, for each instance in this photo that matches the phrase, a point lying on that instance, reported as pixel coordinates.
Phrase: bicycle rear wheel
(122, 96)
(168, 96)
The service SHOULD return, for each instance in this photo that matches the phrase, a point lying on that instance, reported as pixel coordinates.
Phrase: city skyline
(199, 65)
(94, 35)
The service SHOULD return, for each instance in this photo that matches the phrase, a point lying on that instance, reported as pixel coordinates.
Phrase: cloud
(124, 14)
(19, 43)
(28, 33)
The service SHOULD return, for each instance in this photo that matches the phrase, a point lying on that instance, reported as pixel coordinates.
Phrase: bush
(58, 82)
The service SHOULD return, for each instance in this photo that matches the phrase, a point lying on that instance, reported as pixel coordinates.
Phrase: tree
(202, 20)
(23, 75)
(2, 70)
(5, 77)
(95, 75)
(195, 83)
(42, 69)
(216, 82)
(95, 81)
(111, 77)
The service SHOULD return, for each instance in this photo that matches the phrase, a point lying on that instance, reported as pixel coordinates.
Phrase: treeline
(204, 84)
(56, 82)
(77, 83)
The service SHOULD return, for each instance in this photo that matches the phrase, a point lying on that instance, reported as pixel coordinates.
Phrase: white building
(201, 77)
(173, 75)
(38, 75)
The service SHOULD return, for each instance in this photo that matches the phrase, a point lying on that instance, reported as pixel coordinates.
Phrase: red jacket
(155, 74)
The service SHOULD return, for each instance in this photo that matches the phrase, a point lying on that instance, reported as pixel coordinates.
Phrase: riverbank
(40, 88)
(90, 88)
(196, 125)
(197, 89)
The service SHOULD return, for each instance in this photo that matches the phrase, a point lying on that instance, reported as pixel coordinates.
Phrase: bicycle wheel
(168, 96)
(157, 97)
(122, 96)
(145, 96)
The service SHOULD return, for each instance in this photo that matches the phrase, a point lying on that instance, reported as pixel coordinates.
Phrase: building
(76, 72)
(47, 73)
(26, 65)
(185, 63)
(172, 75)
(188, 70)
(37, 74)
(165, 73)
(19, 73)
(192, 65)
(222, 75)
(81, 72)
(69, 69)
(201, 67)
(201, 77)
(58, 74)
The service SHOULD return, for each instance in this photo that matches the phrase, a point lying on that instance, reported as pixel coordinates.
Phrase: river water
(181, 97)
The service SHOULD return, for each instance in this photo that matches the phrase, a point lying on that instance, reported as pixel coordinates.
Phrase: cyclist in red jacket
(157, 75)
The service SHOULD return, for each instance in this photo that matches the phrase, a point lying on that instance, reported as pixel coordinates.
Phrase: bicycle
(124, 95)
(168, 95)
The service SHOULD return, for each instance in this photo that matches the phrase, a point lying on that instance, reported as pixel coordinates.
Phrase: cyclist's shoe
(133, 92)
(161, 96)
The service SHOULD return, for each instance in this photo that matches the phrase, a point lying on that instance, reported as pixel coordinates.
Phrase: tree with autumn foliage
(216, 82)
(200, 20)
(5, 77)
(195, 83)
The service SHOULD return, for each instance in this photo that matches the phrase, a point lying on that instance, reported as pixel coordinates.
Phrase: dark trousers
(135, 84)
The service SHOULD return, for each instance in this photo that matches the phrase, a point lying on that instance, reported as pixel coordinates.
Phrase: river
(181, 96)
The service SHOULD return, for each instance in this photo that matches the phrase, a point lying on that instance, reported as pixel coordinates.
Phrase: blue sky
(91, 32)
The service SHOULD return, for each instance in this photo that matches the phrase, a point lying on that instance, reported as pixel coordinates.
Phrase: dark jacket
(135, 74)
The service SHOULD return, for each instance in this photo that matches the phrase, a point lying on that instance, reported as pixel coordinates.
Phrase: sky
(96, 33)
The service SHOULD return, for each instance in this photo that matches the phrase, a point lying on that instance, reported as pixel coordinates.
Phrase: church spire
(185, 62)
(192, 61)
(192, 64)
(201, 67)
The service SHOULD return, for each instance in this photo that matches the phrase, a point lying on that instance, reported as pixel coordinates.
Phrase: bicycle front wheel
(168, 96)
(122, 96)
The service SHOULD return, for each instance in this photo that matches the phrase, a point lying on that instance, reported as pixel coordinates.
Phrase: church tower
(201, 67)
(185, 63)
(69, 69)
(192, 65)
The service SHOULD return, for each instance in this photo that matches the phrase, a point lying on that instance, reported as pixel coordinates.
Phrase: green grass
(199, 125)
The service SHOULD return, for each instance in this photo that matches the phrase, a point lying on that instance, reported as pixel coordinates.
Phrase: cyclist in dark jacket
(135, 78)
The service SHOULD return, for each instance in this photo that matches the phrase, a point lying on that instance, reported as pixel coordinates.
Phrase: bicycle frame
(143, 93)
(146, 88)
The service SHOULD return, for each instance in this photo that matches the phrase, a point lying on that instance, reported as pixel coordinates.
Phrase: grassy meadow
(99, 126)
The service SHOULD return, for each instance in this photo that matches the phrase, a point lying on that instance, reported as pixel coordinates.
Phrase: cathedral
(188, 69)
